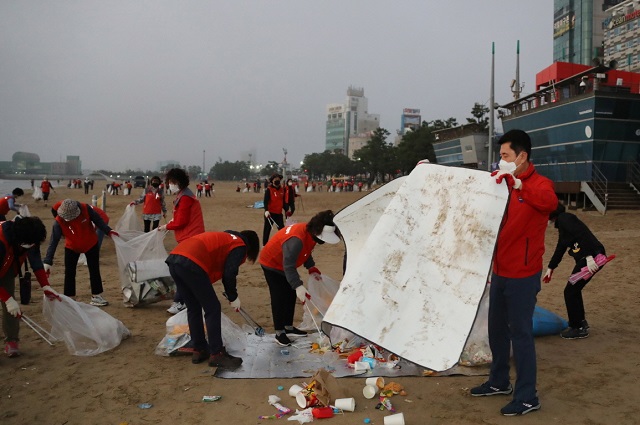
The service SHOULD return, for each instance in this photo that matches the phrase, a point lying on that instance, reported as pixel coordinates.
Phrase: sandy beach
(591, 381)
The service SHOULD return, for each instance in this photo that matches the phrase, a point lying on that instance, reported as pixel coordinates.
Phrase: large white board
(415, 284)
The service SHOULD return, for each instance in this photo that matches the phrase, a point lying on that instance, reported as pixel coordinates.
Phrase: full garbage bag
(37, 194)
(178, 335)
(85, 329)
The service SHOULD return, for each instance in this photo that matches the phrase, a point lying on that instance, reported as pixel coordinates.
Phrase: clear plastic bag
(178, 335)
(37, 194)
(322, 293)
(85, 329)
(23, 210)
(476, 351)
(129, 220)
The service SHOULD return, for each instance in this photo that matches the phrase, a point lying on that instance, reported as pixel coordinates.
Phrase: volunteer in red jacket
(195, 264)
(187, 219)
(273, 206)
(19, 239)
(517, 268)
(75, 221)
(154, 207)
(289, 249)
(8, 203)
(46, 190)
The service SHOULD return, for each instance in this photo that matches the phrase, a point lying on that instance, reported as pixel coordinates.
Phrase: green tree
(415, 146)
(436, 125)
(230, 170)
(377, 156)
(194, 172)
(480, 116)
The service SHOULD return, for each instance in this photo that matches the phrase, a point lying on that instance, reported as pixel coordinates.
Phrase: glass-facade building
(578, 30)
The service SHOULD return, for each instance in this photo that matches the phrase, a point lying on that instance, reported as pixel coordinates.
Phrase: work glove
(510, 179)
(314, 270)
(162, 228)
(113, 233)
(547, 276)
(51, 293)
(235, 304)
(288, 213)
(13, 308)
(132, 204)
(267, 214)
(47, 269)
(302, 294)
(591, 265)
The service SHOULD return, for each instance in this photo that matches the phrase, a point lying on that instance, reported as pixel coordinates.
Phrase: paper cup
(360, 366)
(346, 404)
(305, 401)
(378, 382)
(397, 419)
(294, 390)
(369, 391)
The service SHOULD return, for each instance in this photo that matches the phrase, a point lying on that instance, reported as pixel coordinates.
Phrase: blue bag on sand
(547, 323)
(258, 204)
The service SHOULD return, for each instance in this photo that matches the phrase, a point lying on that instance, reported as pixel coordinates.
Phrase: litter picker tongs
(43, 333)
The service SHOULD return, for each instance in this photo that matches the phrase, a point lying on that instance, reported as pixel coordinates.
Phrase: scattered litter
(367, 420)
(280, 388)
(285, 352)
(211, 398)
(145, 405)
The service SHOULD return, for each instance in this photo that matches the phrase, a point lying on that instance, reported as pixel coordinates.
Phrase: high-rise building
(348, 119)
(578, 31)
(410, 118)
(622, 35)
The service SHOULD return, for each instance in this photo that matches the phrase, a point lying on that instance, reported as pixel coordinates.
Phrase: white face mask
(290, 184)
(509, 167)
(27, 245)
(174, 187)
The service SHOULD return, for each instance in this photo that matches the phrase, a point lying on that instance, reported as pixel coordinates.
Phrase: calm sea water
(6, 186)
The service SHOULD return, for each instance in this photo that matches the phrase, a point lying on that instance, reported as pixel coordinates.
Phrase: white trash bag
(23, 210)
(37, 194)
(87, 330)
(476, 351)
(129, 220)
(178, 335)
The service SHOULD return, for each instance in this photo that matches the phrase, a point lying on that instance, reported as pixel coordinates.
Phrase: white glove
(47, 269)
(13, 307)
(547, 276)
(267, 214)
(50, 293)
(235, 304)
(591, 264)
(162, 228)
(302, 294)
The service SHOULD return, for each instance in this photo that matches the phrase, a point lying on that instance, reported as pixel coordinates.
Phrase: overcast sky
(124, 84)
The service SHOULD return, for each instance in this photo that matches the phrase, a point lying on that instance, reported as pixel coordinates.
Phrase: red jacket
(187, 216)
(45, 186)
(271, 255)
(520, 243)
(4, 204)
(209, 251)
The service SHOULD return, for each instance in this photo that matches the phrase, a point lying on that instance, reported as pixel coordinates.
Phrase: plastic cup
(294, 390)
(360, 366)
(346, 404)
(397, 419)
(369, 391)
(378, 382)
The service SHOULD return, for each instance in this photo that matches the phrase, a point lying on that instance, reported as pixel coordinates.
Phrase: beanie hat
(69, 209)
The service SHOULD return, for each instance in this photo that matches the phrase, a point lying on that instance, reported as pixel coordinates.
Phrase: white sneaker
(176, 308)
(98, 301)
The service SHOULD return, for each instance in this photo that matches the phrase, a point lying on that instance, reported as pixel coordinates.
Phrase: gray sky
(124, 84)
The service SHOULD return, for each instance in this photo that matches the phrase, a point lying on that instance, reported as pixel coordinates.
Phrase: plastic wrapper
(85, 329)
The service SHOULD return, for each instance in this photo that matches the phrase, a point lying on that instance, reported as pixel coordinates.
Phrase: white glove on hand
(50, 293)
(267, 214)
(47, 269)
(162, 228)
(547, 276)
(591, 264)
(13, 308)
(302, 294)
(235, 304)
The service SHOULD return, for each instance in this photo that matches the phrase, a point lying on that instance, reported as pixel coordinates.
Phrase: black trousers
(70, 265)
(266, 231)
(198, 294)
(573, 296)
(283, 299)
(147, 225)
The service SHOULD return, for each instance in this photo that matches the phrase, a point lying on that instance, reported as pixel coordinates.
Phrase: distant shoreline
(40, 177)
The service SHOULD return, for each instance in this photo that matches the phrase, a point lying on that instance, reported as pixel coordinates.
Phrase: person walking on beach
(8, 203)
(154, 207)
(289, 203)
(46, 188)
(289, 249)
(517, 268)
(77, 222)
(273, 206)
(575, 238)
(187, 219)
(195, 265)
